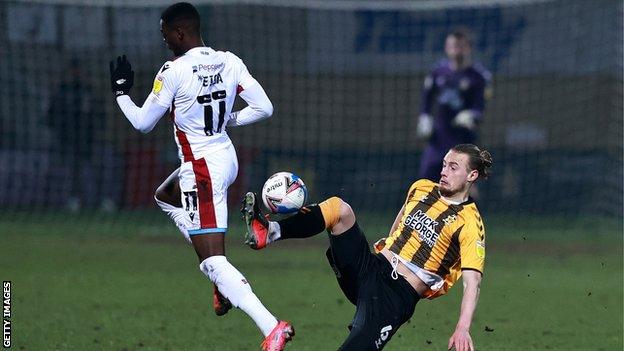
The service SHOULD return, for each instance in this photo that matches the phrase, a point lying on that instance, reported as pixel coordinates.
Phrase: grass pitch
(132, 283)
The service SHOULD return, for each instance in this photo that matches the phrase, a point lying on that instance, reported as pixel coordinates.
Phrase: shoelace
(395, 264)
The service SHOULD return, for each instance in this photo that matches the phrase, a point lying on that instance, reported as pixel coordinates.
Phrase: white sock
(178, 215)
(233, 285)
(274, 232)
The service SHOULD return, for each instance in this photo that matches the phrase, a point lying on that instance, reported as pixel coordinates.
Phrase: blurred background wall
(345, 78)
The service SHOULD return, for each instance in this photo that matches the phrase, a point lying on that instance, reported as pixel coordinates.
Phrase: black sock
(303, 224)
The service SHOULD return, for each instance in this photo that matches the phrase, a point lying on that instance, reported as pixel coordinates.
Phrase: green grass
(132, 283)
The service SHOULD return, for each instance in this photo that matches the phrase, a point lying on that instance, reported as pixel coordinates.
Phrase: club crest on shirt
(449, 219)
(464, 84)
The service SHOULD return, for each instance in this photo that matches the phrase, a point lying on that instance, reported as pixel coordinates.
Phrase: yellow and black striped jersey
(437, 236)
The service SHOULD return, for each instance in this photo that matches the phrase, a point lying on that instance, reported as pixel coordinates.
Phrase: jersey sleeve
(478, 92)
(428, 93)
(478, 97)
(472, 246)
(412, 190)
(245, 79)
(258, 107)
(424, 185)
(165, 86)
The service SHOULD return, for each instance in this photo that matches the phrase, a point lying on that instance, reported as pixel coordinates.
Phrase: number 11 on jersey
(209, 113)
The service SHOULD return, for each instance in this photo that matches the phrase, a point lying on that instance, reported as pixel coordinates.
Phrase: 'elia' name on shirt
(210, 80)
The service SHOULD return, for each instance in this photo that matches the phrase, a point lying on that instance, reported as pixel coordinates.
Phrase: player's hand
(465, 119)
(122, 76)
(461, 341)
(425, 126)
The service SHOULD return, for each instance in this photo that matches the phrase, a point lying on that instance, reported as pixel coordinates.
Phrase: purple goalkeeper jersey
(446, 93)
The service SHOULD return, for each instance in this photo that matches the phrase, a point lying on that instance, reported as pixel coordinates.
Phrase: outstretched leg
(332, 214)
(382, 304)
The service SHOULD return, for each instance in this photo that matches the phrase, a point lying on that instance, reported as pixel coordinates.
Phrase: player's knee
(360, 338)
(168, 192)
(346, 212)
(164, 202)
(158, 196)
(162, 196)
(337, 214)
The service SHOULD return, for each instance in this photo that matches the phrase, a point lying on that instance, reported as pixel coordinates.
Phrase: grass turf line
(134, 284)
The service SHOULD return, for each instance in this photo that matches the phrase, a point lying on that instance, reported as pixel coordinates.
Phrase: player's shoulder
(472, 217)
(170, 65)
(228, 58)
(223, 54)
(166, 76)
(481, 72)
(440, 66)
(233, 58)
(425, 185)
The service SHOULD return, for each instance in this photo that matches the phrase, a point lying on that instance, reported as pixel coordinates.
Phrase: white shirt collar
(449, 201)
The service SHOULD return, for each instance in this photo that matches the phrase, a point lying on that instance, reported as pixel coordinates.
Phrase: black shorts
(382, 303)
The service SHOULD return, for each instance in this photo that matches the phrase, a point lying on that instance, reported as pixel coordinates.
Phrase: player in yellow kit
(437, 236)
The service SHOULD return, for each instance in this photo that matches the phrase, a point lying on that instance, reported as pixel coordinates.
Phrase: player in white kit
(198, 88)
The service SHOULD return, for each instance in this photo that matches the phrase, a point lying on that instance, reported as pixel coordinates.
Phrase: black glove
(122, 76)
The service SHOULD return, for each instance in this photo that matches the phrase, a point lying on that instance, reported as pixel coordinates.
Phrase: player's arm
(472, 257)
(461, 339)
(258, 104)
(258, 107)
(483, 89)
(470, 116)
(142, 118)
(425, 120)
(428, 93)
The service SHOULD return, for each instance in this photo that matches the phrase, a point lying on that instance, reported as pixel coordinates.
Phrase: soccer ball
(284, 193)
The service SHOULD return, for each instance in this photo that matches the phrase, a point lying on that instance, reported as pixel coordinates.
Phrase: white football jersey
(199, 88)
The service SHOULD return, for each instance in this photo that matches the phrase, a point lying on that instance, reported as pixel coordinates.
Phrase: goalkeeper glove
(122, 76)
(425, 126)
(465, 119)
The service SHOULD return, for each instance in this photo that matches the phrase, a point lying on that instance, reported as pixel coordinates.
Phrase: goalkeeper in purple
(453, 101)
